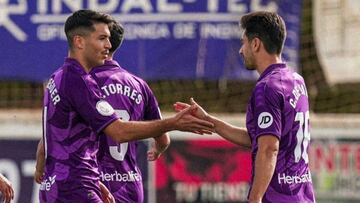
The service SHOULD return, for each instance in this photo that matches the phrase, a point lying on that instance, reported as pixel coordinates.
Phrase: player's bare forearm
(265, 161)
(40, 162)
(134, 130)
(231, 133)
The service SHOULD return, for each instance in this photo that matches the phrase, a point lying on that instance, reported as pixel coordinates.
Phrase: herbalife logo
(47, 183)
(130, 176)
(296, 179)
(7, 9)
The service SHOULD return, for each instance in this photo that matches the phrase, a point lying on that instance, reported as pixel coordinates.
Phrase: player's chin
(100, 62)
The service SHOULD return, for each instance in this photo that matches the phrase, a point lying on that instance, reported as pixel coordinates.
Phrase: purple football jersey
(74, 113)
(133, 100)
(279, 106)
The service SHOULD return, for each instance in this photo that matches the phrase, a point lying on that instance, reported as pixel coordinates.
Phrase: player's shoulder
(133, 77)
(272, 84)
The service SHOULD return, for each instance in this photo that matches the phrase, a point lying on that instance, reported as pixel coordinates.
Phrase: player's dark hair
(81, 23)
(269, 27)
(117, 36)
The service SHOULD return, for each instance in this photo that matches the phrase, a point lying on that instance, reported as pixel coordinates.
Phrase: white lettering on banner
(7, 9)
(257, 6)
(51, 12)
(296, 179)
(211, 192)
(130, 176)
(147, 31)
(144, 5)
(234, 6)
(73, 5)
(184, 31)
(224, 31)
(147, 6)
(220, 30)
(46, 32)
(107, 7)
(167, 7)
(213, 6)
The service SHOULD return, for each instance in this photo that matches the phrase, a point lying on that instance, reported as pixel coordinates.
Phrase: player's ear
(78, 42)
(255, 44)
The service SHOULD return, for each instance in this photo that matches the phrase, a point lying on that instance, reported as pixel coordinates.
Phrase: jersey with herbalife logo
(74, 113)
(279, 106)
(132, 99)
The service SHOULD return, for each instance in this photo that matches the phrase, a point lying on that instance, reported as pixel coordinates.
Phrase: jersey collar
(271, 68)
(75, 64)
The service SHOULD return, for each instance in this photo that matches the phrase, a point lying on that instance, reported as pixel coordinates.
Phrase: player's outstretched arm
(40, 162)
(134, 130)
(231, 133)
(6, 189)
(159, 145)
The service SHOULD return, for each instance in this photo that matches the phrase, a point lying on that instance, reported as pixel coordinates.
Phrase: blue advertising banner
(164, 39)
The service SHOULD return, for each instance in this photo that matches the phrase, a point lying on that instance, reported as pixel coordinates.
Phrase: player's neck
(265, 61)
(87, 67)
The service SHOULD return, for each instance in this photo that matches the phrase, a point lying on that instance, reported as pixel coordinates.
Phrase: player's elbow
(118, 132)
(269, 145)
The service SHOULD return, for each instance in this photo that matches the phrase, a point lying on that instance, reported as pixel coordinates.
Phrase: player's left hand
(198, 112)
(153, 154)
(6, 190)
(106, 196)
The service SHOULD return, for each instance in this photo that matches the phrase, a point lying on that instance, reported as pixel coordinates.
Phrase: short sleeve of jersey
(87, 100)
(152, 110)
(268, 103)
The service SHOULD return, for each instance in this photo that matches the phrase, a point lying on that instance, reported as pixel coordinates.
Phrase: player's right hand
(6, 189)
(198, 112)
(38, 176)
(186, 121)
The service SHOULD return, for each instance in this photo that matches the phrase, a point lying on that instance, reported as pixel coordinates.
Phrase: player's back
(70, 142)
(279, 105)
(132, 99)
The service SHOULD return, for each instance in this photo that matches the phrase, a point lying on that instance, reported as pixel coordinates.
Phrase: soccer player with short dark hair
(75, 116)
(132, 100)
(277, 117)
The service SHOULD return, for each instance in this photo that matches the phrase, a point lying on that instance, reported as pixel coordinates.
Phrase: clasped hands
(197, 111)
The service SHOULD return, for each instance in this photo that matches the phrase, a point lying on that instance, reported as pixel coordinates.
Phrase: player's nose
(108, 44)
(241, 51)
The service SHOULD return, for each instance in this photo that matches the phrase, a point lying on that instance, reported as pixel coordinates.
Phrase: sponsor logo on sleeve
(104, 108)
(47, 183)
(265, 120)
